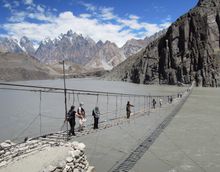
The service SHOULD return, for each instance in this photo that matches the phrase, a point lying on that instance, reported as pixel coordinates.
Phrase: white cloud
(18, 16)
(133, 24)
(40, 9)
(85, 15)
(165, 25)
(40, 17)
(8, 5)
(107, 13)
(133, 17)
(151, 28)
(66, 21)
(88, 6)
(100, 23)
(28, 2)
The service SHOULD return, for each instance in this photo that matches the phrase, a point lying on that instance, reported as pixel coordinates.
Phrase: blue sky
(114, 20)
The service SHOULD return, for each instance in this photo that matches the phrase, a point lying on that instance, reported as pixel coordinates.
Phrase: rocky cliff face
(190, 50)
(132, 46)
(107, 57)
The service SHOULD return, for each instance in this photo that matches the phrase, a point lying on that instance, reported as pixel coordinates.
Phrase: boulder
(5, 145)
(81, 146)
(69, 159)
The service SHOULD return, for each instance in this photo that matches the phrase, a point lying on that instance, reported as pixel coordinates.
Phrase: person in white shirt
(161, 102)
(81, 113)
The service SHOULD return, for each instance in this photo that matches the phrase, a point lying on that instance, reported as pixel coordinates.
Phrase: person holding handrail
(71, 118)
(96, 115)
(81, 113)
(128, 109)
(154, 103)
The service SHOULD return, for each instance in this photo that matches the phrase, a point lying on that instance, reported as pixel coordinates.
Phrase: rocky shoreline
(74, 161)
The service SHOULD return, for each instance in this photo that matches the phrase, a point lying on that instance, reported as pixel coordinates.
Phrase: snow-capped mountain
(9, 45)
(27, 45)
(14, 46)
(69, 46)
(77, 49)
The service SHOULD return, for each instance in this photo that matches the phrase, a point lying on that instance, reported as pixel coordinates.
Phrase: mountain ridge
(76, 48)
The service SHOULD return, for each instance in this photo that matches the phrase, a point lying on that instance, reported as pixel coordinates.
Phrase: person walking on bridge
(81, 113)
(154, 103)
(161, 102)
(71, 118)
(96, 115)
(128, 109)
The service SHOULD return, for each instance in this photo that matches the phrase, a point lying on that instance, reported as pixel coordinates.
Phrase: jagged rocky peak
(24, 40)
(70, 33)
(99, 44)
(9, 45)
(27, 45)
(189, 51)
(69, 46)
(46, 41)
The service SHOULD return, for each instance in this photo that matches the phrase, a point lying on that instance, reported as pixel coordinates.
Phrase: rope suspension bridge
(105, 100)
(112, 108)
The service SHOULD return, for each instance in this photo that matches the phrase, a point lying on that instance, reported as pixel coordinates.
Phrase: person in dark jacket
(96, 115)
(71, 117)
(128, 109)
(154, 103)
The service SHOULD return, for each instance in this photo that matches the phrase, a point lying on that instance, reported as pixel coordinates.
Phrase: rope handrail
(76, 91)
(146, 98)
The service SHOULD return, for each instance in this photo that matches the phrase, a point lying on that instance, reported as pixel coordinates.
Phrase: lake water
(19, 110)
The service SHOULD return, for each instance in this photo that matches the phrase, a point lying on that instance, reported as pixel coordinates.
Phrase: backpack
(70, 115)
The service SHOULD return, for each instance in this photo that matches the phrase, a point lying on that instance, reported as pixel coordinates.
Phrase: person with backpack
(82, 119)
(71, 119)
(128, 109)
(96, 115)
